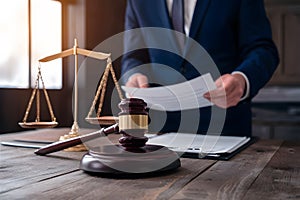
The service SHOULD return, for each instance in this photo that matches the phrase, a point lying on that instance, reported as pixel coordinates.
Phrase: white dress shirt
(189, 7)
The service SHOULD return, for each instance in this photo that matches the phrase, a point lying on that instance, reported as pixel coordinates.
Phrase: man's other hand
(230, 89)
(137, 80)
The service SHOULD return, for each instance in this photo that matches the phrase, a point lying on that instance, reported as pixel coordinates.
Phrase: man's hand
(137, 80)
(230, 89)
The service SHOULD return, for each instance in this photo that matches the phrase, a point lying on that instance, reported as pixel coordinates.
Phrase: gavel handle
(64, 144)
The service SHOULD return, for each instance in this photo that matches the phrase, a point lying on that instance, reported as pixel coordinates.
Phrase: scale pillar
(75, 127)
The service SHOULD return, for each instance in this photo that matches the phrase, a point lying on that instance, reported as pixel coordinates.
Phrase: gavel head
(133, 123)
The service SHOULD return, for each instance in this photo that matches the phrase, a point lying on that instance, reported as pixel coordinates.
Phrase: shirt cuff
(247, 89)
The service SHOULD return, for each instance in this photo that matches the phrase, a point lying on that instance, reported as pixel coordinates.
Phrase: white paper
(195, 143)
(182, 96)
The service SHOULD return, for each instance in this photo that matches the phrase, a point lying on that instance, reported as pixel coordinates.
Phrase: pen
(60, 145)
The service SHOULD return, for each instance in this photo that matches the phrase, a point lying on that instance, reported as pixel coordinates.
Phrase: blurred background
(32, 29)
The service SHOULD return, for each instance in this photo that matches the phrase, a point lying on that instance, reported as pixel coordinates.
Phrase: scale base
(115, 161)
(38, 124)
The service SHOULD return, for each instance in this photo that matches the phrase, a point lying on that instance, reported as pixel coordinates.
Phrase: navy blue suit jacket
(235, 33)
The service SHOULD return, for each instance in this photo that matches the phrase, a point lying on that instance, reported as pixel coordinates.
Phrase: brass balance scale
(98, 119)
(132, 122)
(36, 93)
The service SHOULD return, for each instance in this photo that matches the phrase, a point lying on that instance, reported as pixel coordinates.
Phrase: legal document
(194, 143)
(181, 96)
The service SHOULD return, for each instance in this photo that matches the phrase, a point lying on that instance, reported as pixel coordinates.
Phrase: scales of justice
(132, 156)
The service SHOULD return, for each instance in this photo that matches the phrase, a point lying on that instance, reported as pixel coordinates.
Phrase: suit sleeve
(258, 54)
(134, 55)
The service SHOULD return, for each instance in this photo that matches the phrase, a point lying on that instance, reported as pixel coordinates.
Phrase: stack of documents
(182, 96)
(200, 145)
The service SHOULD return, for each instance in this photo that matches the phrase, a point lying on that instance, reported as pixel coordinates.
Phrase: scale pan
(38, 124)
(104, 120)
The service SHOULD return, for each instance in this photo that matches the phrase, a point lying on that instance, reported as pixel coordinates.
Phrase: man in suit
(235, 33)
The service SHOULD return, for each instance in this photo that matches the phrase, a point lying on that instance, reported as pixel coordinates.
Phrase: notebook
(202, 146)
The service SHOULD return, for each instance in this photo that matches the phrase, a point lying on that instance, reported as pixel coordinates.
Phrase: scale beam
(105, 120)
(58, 55)
(77, 51)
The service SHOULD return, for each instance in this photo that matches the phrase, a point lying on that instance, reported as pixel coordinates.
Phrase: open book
(202, 146)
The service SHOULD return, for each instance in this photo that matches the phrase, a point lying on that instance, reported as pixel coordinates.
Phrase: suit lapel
(163, 13)
(199, 13)
(163, 20)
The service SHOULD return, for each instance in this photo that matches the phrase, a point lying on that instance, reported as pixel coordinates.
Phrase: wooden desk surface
(268, 169)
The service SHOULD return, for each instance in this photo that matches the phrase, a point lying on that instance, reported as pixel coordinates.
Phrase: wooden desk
(268, 169)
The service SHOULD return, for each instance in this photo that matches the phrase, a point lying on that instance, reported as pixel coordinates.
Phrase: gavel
(133, 124)
(132, 157)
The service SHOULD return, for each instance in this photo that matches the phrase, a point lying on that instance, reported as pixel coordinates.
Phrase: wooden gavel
(64, 144)
(133, 124)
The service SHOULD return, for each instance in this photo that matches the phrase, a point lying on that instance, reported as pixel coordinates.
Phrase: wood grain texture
(231, 180)
(78, 184)
(281, 177)
(20, 167)
(268, 169)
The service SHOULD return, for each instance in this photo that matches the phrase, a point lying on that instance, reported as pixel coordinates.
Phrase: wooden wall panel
(284, 16)
(292, 45)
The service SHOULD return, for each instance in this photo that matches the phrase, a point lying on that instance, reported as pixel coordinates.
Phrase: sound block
(117, 161)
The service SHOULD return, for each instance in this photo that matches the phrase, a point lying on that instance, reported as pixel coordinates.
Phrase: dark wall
(285, 21)
(104, 19)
